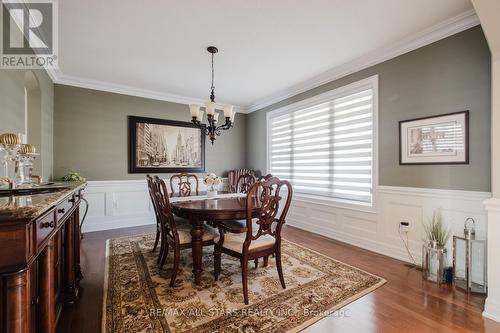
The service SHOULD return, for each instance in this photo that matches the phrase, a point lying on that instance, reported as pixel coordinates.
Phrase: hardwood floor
(405, 304)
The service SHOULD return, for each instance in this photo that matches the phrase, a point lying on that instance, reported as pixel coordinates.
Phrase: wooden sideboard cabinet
(39, 258)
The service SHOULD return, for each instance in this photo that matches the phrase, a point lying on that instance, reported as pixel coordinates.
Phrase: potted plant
(434, 249)
(212, 181)
(437, 234)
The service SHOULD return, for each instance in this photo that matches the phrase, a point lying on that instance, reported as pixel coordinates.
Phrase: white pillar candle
(200, 118)
(23, 137)
(216, 116)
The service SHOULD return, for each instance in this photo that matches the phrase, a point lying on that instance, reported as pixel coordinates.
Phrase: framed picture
(442, 139)
(165, 146)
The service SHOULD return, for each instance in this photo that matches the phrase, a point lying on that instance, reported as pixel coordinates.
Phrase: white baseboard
(492, 310)
(378, 230)
(92, 225)
(492, 304)
(389, 250)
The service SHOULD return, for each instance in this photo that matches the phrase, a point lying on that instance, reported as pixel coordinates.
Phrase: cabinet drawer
(64, 207)
(44, 226)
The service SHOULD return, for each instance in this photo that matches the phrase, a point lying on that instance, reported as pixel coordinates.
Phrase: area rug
(137, 297)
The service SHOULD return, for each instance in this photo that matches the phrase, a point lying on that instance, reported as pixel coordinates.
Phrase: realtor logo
(28, 38)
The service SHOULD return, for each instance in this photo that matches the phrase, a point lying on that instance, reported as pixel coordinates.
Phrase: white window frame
(370, 82)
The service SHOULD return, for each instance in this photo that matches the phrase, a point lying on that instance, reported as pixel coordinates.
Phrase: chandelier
(212, 127)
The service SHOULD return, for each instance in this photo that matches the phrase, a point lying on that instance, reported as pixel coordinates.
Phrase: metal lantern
(469, 260)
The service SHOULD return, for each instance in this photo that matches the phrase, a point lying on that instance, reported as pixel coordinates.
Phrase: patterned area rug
(137, 297)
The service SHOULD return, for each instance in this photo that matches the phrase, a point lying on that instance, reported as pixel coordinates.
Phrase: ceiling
(266, 47)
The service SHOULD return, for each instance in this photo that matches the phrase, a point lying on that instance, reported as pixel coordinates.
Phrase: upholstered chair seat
(175, 232)
(260, 235)
(234, 242)
(184, 232)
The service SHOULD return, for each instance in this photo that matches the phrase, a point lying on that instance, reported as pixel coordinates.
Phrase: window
(325, 146)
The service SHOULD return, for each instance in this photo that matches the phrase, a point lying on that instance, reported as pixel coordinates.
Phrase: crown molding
(60, 78)
(430, 35)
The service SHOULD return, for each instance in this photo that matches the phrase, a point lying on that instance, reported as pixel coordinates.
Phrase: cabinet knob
(35, 301)
(61, 210)
(47, 224)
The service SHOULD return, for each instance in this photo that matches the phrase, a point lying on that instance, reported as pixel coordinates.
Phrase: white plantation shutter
(326, 149)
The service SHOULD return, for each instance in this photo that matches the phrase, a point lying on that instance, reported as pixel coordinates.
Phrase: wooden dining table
(199, 211)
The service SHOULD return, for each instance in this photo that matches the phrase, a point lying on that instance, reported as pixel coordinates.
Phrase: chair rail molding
(378, 231)
(120, 204)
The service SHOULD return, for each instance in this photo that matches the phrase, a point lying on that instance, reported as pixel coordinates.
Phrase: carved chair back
(164, 209)
(245, 182)
(234, 175)
(267, 196)
(184, 183)
(266, 177)
(152, 196)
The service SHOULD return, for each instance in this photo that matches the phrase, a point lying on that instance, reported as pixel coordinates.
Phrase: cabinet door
(58, 270)
(33, 297)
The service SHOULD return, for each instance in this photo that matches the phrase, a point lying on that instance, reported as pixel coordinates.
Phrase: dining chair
(245, 182)
(184, 184)
(243, 185)
(266, 177)
(158, 224)
(233, 175)
(262, 237)
(175, 232)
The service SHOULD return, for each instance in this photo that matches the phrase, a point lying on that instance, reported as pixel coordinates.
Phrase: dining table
(200, 209)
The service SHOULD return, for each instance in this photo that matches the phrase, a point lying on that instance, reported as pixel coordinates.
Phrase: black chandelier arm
(197, 122)
(211, 129)
(225, 126)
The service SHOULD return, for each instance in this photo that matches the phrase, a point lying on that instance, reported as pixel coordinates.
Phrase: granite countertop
(26, 207)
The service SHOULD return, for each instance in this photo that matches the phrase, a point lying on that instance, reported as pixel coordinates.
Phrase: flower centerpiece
(212, 181)
(73, 177)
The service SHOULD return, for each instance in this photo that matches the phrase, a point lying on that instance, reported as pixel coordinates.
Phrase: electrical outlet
(404, 226)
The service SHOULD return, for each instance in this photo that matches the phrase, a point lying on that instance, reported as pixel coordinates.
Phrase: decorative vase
(433, 262)
(212, 192)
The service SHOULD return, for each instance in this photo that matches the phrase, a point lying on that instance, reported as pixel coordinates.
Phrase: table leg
(197, 246)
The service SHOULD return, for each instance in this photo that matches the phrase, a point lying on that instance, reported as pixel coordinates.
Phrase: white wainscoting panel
(120, 204)
(378, 231)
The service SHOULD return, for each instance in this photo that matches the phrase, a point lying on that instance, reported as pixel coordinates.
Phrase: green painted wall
(451, 75)
(91, 133)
